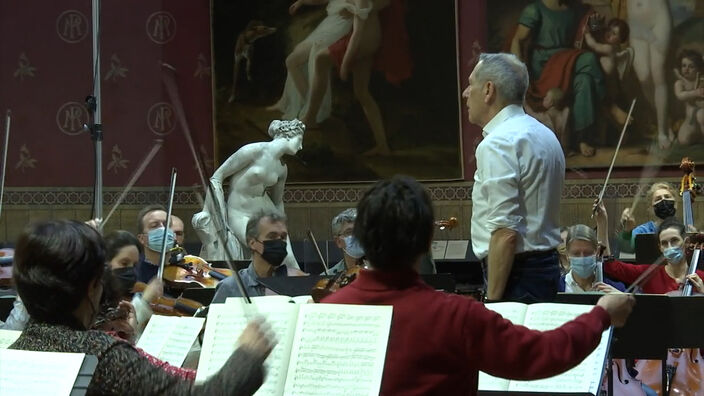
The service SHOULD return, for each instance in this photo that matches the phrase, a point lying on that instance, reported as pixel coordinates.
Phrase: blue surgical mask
(156, 238)
(673, 254)
(352, 247)
(583, 266)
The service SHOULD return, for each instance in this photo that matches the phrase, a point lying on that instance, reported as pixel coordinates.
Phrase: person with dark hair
(267, 237)
(123, 251)
(517, 185)
(438, 342)
(58, 273)
(671, 276)
(151, 221)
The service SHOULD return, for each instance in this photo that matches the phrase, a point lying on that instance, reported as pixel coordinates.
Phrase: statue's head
(286, 129)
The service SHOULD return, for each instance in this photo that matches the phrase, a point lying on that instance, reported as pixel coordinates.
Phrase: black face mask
(274, 251)
(126, 278)
(664, 208)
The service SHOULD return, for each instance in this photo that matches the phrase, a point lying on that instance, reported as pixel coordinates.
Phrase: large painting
(377, 88)
(588, 59)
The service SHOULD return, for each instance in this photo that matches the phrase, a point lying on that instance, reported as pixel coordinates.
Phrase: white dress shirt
(571, 285)
(518, 183)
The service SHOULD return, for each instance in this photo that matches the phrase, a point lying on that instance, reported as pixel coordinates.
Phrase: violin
(326, 287)
(193, 271)
(447, 224)
(170, 306)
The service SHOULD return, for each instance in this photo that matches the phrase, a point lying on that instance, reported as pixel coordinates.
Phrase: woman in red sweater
(671, 276)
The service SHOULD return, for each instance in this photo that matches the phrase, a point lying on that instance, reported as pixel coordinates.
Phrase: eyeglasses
(346, 233)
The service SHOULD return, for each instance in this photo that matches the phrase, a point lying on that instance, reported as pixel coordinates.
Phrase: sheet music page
(302, 299)
(338, 349)
(584, 377)
(515, 312)
(225, 324)
(259, 300)
(8, 337)
(169, 338)
(38, 373)
(437, 249)
(456, 250)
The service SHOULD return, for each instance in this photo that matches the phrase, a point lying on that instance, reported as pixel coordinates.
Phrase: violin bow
(167, 226)
(8, 119)
(214, 210)
(133, 179)
(613, 160)
(646, 274)
(317, 249)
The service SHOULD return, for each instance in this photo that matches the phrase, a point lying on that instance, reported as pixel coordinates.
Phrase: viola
(193, 271)
(170, 306)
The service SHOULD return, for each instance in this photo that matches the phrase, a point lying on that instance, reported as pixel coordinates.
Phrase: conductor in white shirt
(517, 185)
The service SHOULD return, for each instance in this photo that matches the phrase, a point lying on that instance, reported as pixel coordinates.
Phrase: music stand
(646, 248)
(292, 286)
(85, 375)
(444, 282)
(633, 341)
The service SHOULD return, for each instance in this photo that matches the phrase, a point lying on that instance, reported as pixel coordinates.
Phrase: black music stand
(651, 315)
(85, 375)
(686, 322)
(444, 282)
(292, 286)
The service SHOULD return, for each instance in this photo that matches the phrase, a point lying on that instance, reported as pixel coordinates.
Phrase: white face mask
(352, 247)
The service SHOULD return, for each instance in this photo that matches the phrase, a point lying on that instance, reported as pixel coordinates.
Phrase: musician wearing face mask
(123, 251)
(267, 238)
(58, 271)
(582, 254)
(151, 222)
(672, 240)
(342, 227)
(663, 205)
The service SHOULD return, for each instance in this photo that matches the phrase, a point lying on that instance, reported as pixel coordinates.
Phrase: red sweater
(439, 342)
(659, 281)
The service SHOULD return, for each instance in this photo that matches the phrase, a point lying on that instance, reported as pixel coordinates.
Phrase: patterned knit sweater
(122, 370)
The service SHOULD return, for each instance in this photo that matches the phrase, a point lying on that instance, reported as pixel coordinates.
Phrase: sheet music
(225, 324)
(437, 249)
(338, 350)
(7, 337)
(169, 338)
(515, 312)
(583, 378)
(38, 373)
(302, 299)
(456, 250)
(580, 378)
